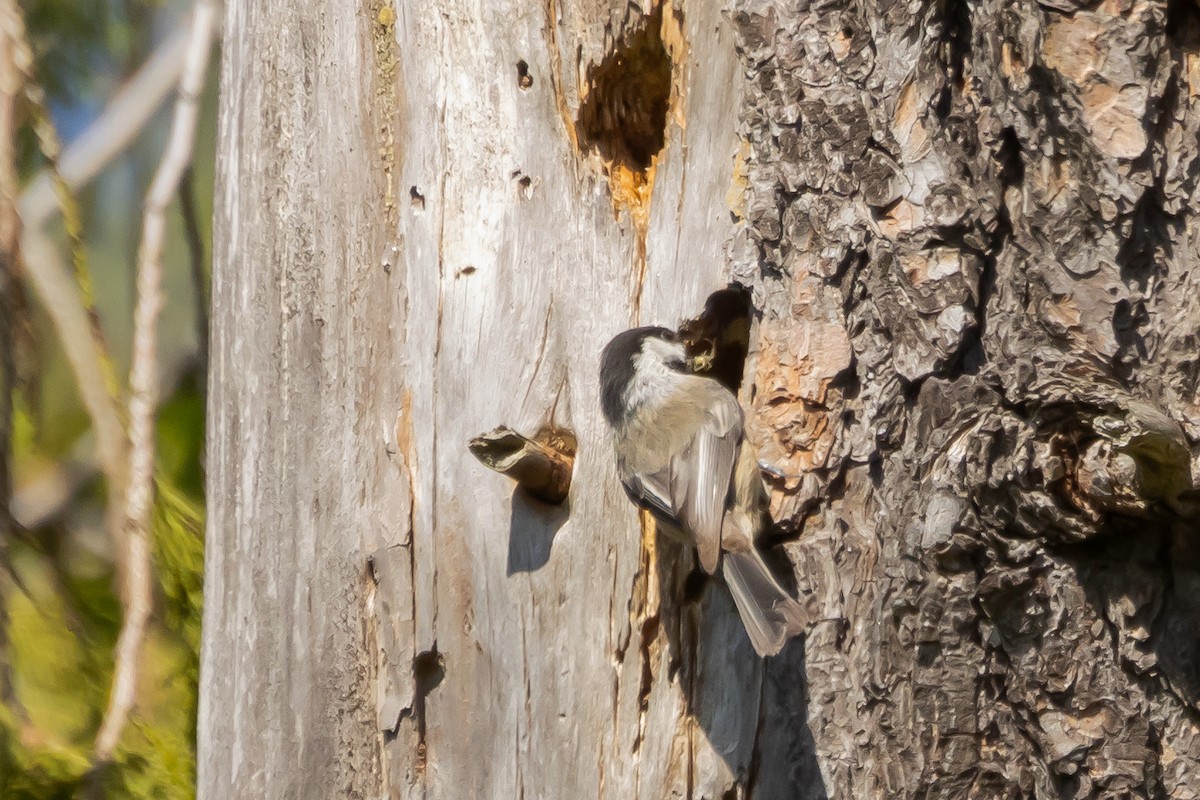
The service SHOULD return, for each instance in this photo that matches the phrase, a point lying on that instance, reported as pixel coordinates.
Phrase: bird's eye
(669, 336)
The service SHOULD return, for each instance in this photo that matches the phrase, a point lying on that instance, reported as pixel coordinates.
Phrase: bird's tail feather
(770, 615)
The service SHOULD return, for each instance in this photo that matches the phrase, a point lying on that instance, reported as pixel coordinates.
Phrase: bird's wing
(652, 492)
(692, 488)
(702, 474)
(769, 613)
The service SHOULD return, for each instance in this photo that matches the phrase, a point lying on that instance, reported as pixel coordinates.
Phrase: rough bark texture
(968, 230)
(973, 229)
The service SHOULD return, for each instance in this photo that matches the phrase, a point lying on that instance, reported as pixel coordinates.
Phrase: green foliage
(60, 635)
(181, 440)
(52, 671)
(60, 639)
(179, 561)
(36, 772)
(167, 774)
(37, 752)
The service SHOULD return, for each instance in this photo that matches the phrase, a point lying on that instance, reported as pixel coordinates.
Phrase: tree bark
(969, 233)
(976, 233)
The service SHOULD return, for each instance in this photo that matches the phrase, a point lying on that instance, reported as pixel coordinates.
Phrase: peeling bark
(969, 236)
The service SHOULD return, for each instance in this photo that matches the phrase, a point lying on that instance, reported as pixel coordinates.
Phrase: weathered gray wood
(412, 250)
(970, 229)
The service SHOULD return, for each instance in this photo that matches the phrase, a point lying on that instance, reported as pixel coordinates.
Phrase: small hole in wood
(429, 668)
(418, 199)
(524, 79)
(524, 185)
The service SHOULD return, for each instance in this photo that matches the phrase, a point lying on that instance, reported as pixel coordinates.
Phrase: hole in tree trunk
(524, 79)
(624, 113)
(429, 668)
(718, 340)
(1183, 25)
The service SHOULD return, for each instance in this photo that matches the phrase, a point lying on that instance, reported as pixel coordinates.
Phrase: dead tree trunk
(971, 237)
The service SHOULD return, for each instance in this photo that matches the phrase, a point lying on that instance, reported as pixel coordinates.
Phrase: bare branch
(66, 307)
(10, 226)
(10, 86)
(143, 377)
(58, 294)
(67, 304)
(51, 148)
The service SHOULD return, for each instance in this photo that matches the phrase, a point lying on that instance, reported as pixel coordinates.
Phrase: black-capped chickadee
(678, 443)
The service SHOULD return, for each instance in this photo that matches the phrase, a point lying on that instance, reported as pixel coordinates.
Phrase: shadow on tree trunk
(531, 531)
(752, 711)
(1142, 578)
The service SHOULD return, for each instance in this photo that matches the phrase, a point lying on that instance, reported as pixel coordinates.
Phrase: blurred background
(61, 605)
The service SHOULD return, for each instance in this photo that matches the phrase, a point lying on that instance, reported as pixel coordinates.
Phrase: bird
(678, 441)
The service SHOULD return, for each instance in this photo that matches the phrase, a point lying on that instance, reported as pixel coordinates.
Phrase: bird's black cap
(616, 367)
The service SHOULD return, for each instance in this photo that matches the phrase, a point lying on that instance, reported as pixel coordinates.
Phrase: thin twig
(67, 309)
(10, 86)
(195, 243)
(51, 149)
(143, 377)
